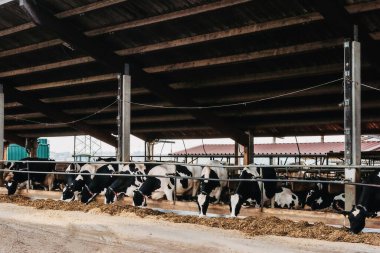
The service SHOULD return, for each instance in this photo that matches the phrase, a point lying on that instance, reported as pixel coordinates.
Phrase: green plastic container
(16, 152)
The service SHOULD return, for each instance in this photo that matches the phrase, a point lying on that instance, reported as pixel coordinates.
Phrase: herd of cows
(204, 185)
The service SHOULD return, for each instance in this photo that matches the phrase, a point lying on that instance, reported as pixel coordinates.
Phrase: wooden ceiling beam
(46, 67)
(88, 7)
(56, 114)
(78, 111)
(340, 19)
(231, 59)
(248, 57)
(71, 98)
(97, 50)
(71, 82)
(31, 47)
(166, 17)
(65, 14)
(354, 8)
(262, 77)
(234, 32)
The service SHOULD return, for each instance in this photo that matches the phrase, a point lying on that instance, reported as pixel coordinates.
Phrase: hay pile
(251, 226)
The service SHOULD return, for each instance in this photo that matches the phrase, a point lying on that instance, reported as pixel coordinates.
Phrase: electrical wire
(65, 123)
(370, 87)
(186, 107)
(184, 146)
(204, 150)
(240, 103)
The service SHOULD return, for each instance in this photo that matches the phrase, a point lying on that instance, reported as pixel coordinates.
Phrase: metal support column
(248, 151)
(124, 118)
(1, 123)
(236, 151)
(352, 117)
(149, 148)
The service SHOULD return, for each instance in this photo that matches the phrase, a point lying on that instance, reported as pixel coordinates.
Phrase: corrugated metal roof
(279, 148)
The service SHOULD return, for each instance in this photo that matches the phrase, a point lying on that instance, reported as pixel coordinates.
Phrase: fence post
(262, 191)
(175, 186)
(28, 184)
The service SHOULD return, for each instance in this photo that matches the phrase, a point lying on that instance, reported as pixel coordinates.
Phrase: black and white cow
(158, 187)
(99, 182)
(320, 198)
(338, 202)
(251, 190)
(12, 178)
(74, 187)
(126, 185)
(211, 188)
(285, 198)
(368, 204)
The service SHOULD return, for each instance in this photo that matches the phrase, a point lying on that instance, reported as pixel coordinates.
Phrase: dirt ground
(25, 229)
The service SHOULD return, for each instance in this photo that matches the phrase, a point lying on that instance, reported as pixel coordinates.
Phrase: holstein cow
(285, 198)
(98, 183)
(12, 178)
(368, 204)
(127, 184)
(251, 190)
(158, 187)
(211, 188)
(320, 198)
(73, 188)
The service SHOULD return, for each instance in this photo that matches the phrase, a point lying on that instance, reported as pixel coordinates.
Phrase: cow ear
(371, 214)
(345, 213)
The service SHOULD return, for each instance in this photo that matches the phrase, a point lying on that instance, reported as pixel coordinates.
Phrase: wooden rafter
(251, 56)
(239, 31)
(56, 114)
(98, 51)
(45, 67)
(167, 16)
(65, 14)
(70, 82)
(340, 19)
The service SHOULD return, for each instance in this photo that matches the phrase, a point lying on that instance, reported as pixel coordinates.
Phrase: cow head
(139, 198)
(110, 196)
(357, 217)
(235, 204)
(203, 201)
(87, 195)
(68, 193)
(11, 186)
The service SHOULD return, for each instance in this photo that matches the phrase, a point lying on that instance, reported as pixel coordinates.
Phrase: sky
(66, 144)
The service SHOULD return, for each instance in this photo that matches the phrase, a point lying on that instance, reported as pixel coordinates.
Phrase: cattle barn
(179, 69)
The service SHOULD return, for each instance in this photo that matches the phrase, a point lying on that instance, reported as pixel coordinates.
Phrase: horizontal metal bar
(203, 179)
(219, 166)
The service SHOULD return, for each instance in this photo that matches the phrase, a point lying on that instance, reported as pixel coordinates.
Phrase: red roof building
(285, 149)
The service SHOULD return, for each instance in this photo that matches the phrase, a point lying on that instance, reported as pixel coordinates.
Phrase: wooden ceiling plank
(251, 56)
(46, 67)
(79, 10)
(70, 82)
(56, 114)
(166, 17)
(88, 7)
(239, 31)
(30, 48)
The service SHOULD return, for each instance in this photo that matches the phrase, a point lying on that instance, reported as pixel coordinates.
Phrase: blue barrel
(16, 152)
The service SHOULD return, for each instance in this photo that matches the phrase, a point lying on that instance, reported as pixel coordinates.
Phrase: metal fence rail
(258, 179)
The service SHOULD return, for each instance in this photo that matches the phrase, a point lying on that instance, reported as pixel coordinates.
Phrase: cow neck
(89, 191)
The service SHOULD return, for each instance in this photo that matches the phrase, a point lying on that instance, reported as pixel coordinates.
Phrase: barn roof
(62, 66)
(316, 148)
